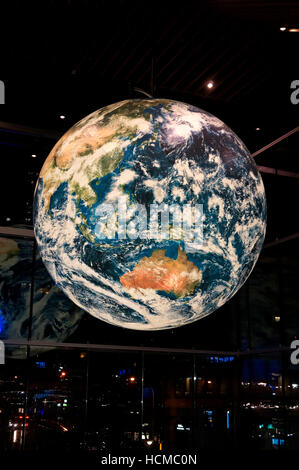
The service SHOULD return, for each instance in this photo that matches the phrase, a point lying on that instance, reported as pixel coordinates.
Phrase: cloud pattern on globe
(149, 153)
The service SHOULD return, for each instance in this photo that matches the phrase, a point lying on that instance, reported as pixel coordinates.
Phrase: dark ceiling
(55, 48)
(72, 57)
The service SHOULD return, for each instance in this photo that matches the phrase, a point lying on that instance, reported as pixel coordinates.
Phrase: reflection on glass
(54, 316)
(15, 282)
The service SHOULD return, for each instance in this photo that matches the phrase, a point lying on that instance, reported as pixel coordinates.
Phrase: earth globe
(149, 214)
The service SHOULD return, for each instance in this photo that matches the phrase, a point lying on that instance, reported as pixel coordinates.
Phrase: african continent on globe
(149, 214)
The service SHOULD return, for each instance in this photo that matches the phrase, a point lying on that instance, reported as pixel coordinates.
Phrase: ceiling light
(33, 155)
(257, 128)
(282, 28)
(8, 219)
(294, 30)
(62, 116)
(210, 84)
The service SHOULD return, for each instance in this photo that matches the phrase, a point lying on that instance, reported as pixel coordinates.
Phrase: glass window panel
(263, 406)
(114, 414)
(169, 400)
(13, 421)
(56, 400)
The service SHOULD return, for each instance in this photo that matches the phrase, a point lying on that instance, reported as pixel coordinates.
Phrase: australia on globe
(149, 214)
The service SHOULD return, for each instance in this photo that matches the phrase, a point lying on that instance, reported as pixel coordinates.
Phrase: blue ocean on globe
(157, 157)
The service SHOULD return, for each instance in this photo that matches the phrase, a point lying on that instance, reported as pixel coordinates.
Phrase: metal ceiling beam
(147, 349)
(17, 232)
(275, 171)
(276, 141)
(114, 347)
(16, 128)
(281, 240)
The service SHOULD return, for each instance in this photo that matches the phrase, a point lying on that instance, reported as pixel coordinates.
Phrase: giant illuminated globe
(149, 214)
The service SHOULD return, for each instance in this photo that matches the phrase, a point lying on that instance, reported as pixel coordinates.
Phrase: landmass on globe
(95, 149)
(159, 272)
